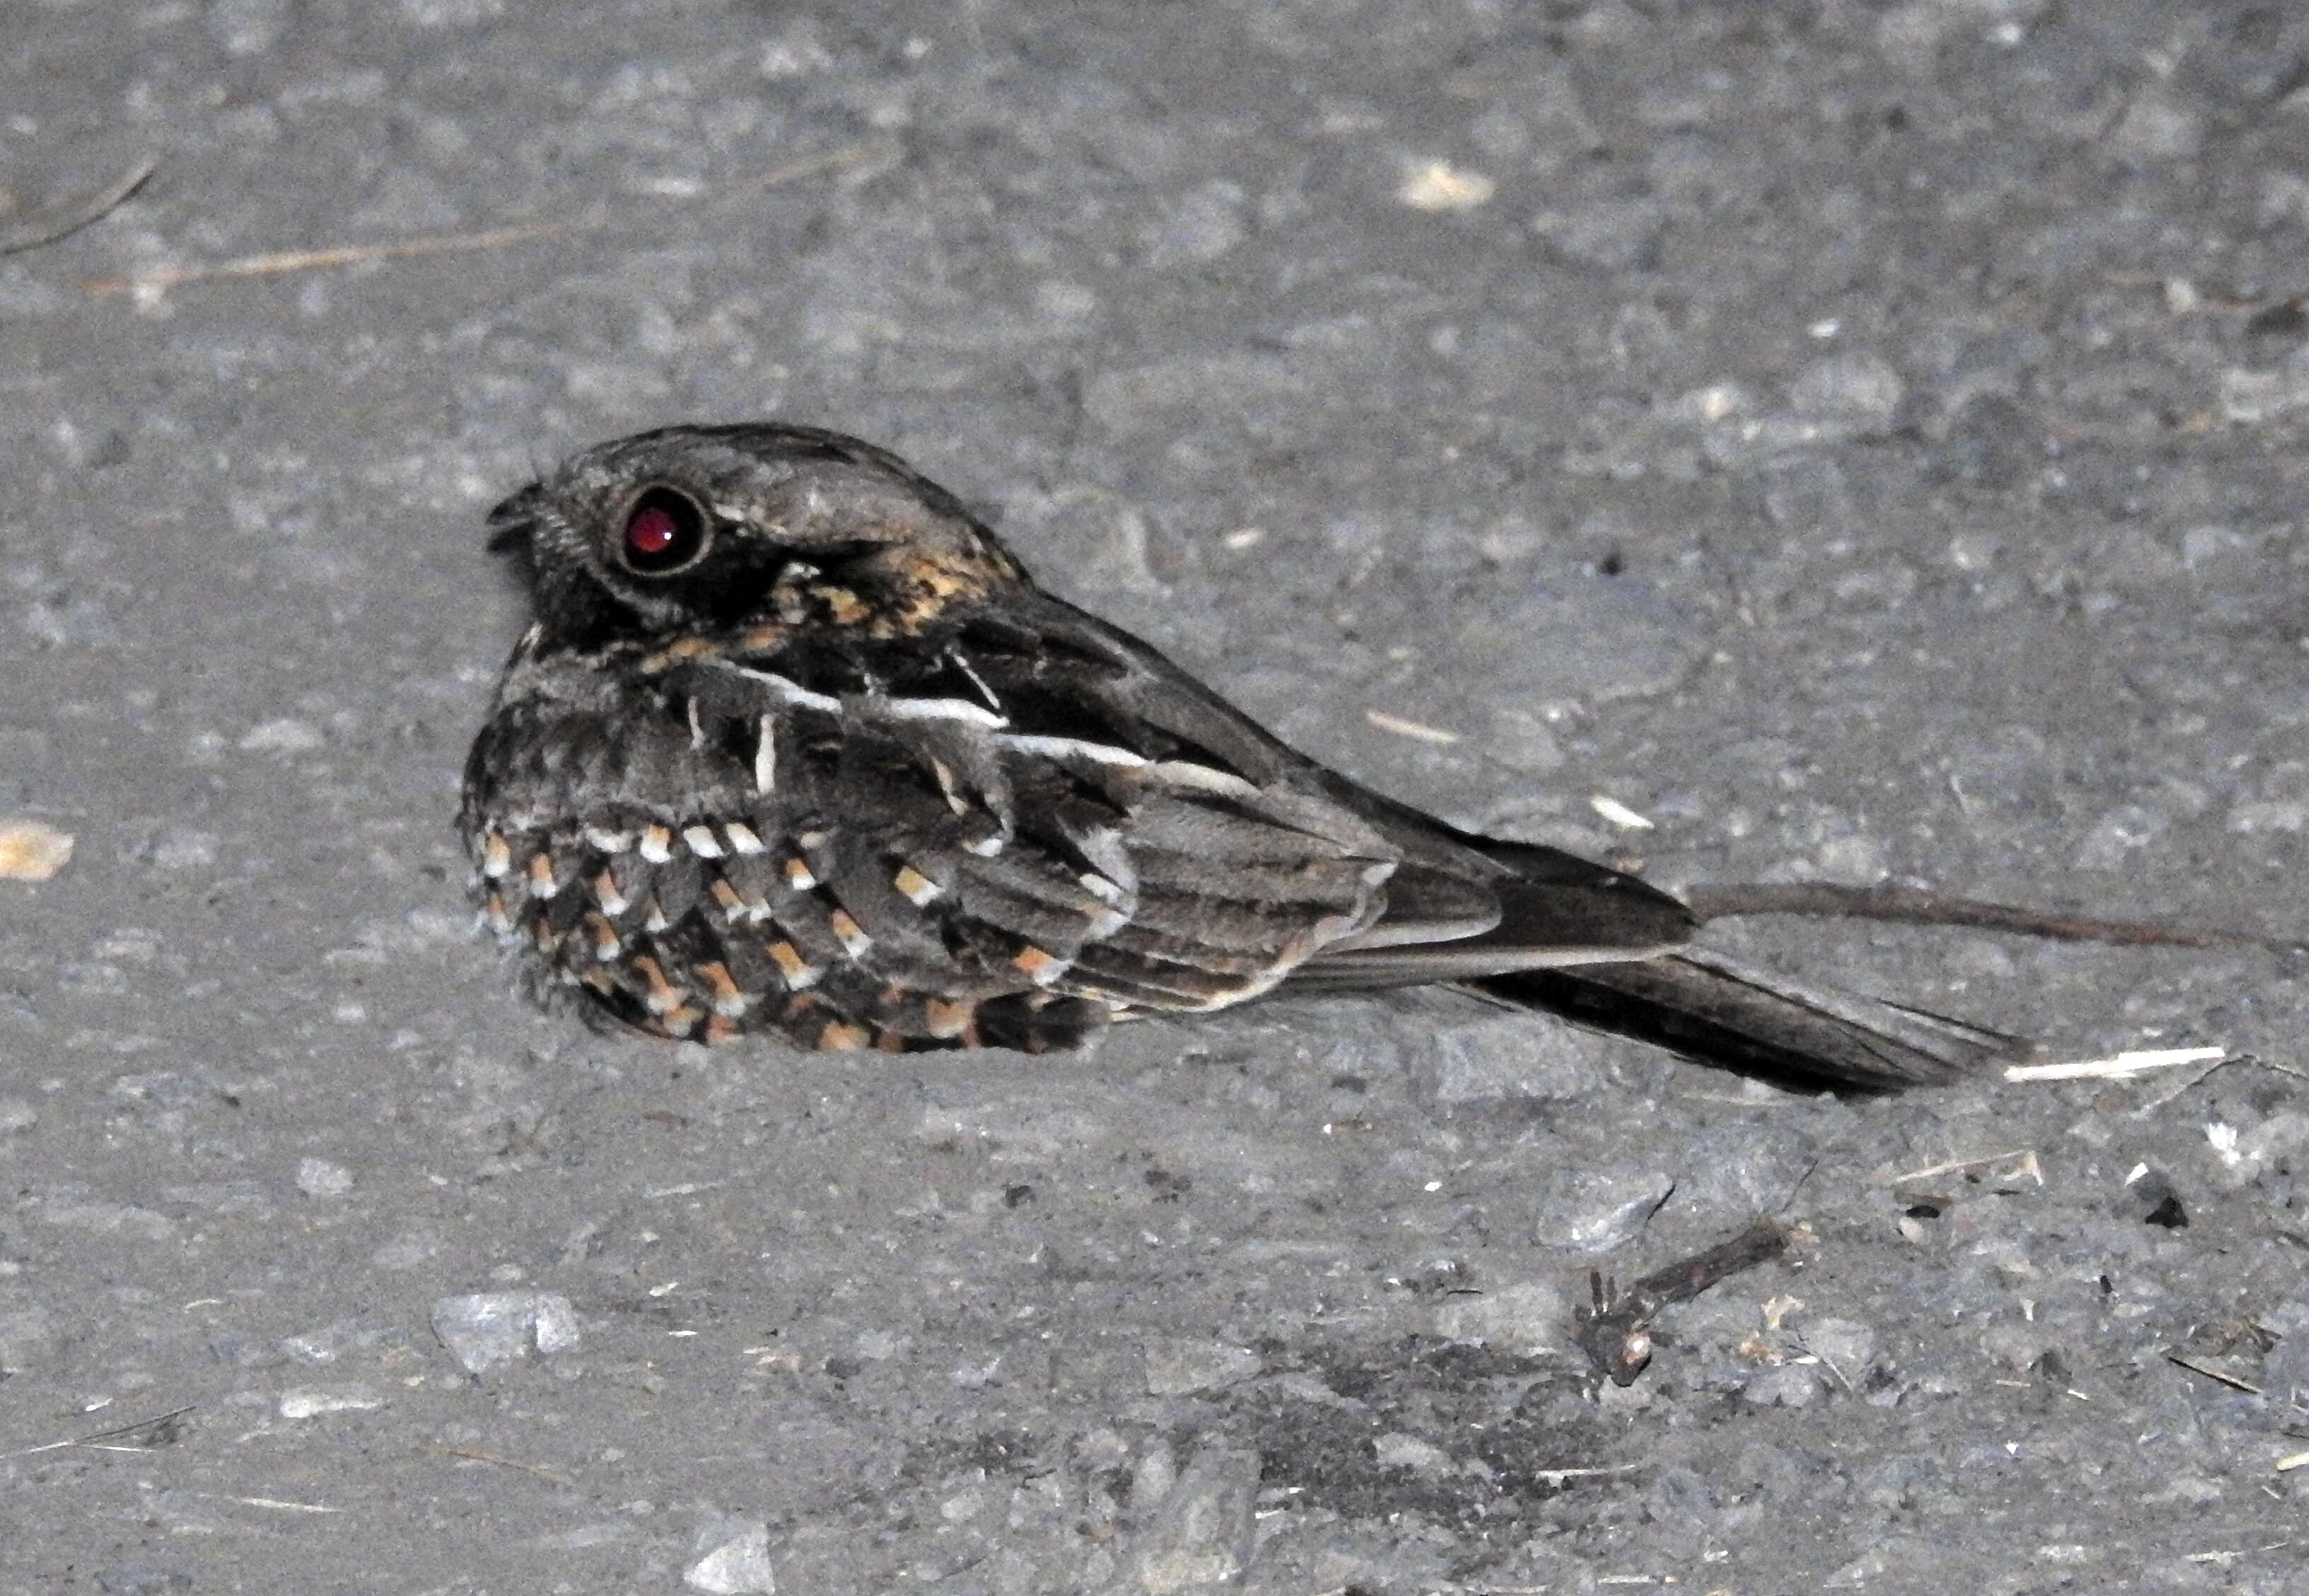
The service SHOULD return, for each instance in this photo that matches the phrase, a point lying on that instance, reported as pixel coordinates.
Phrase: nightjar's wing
(1541, 929)
(1451, 904)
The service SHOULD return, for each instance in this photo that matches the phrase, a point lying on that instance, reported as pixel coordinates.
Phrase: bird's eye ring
(665, 531)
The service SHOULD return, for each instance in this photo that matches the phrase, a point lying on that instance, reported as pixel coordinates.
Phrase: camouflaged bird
(796, 745)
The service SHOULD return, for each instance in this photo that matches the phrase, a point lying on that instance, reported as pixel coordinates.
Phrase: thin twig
(349, 255)
(2116, 1068)
(2023, 1160)
(2211, 1372)
(275, 1504)
(474, 1454)
(146, 1435)
(1401, 727)
(60, 219)
(1914, 905)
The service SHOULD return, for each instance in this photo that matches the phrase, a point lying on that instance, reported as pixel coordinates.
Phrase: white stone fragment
(1201, 1534)
(318, 1177)
(1439, 186)
(1176, 1367)
(310, 1401)
(1397, 1449)
(32, 850)
(1619, 813)
(489, 1329)
(738, 1563)
(1525, 1317)
(285, 736)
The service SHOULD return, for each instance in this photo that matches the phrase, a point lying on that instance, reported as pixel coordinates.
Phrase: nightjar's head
(754, 525)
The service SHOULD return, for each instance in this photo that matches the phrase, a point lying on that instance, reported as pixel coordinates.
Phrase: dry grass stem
(2117, 1067)
(351, 254)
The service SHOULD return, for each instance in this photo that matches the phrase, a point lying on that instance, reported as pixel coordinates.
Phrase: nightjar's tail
(1710, 1008)
(1606, 950)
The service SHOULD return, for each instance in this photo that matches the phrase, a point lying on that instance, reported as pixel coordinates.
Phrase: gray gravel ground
(1862, 439)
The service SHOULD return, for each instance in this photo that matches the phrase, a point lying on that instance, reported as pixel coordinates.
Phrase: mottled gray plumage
(795, 744)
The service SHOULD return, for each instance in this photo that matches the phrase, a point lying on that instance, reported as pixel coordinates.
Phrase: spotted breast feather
(716, 844)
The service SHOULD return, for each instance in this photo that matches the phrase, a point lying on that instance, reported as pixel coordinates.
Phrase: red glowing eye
(652, 531)
(665, 531)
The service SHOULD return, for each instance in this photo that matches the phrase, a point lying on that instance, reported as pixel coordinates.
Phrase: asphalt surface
(1863, 442)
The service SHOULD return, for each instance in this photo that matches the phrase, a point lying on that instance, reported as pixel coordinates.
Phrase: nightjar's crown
(720, 526)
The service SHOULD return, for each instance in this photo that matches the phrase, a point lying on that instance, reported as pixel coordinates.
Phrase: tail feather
(1543, 928)
(1710, 1008)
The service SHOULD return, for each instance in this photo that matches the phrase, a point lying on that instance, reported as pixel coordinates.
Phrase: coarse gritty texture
(1862, 440)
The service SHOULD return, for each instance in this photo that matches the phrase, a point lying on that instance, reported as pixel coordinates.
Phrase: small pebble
(1175, 1367)
(1152, 1479)
(2157, 129)
(1439, 186)
(1199, 228)
(1790, 1385)
(1527, 1317)
(317, 1177)
(1202, 1533)
(176, 849)
(1396, 1450)
(1861, 392)
(32, 850)
(739, 1562)
(143, 1579)
(309, 1402)
(879, 1345)
(1594, 1211)
(1846, 1344)
(1501, 1058)
(283, 737)
(2248, 397)
(489, 1329)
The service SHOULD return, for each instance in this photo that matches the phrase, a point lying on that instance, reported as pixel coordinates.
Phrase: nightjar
(795, 745)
